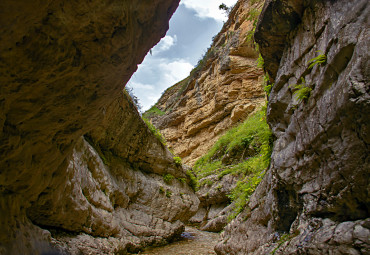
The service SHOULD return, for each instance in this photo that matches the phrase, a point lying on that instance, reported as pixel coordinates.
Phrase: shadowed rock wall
(63, 67)
(113, 193)
(314, 199)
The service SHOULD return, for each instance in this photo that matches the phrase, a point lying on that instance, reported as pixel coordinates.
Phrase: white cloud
(165, 44)
(157, 74)
(208, 8)
(175, 71)
(139, 85)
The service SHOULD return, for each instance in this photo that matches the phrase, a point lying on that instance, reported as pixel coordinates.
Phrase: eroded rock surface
(113, 189)
(215, 205)
(225, 89)
(314, 198)
(76, 158)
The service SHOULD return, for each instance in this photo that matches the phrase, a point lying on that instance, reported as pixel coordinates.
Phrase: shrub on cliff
(225, 8)
(133, 97)
(302, 91)
(155, 131)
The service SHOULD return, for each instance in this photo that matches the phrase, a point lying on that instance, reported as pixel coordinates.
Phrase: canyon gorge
(83, 173)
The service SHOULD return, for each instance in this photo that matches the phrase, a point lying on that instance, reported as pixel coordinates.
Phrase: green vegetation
(268, 89)
(193, 180)
(155, 131)
(267, 84)
(208, 182)
(206, 168)
(168, 193)
(253, 17)
(302, 92)
(253, 136)
(153, 111)
(225, 8)
(254, 132)
(178, 161)
(129, 91)
(319, 60)
(245, 188)
(183, 180)
(167, 178)
(260, 62)
(161, 190)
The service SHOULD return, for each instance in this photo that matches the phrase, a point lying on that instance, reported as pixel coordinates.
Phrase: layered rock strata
(314, 198)
(63, 67)
(221, 91)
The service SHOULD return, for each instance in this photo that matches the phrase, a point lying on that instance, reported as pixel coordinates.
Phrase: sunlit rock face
(76, 158)
(314, 198)
(223, 91)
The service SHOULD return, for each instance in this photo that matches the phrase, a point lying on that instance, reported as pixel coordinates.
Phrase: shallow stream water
(194, 242)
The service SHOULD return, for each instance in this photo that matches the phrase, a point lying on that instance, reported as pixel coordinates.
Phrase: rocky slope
(315, 197)
(71, 162)
(221, 91)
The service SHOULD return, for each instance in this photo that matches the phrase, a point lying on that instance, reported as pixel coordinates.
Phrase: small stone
(362, 234)
(348, 250)
(343, 233)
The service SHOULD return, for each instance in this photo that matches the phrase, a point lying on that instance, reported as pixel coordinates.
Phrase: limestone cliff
(315, 197)
(224, 88)
(113, 196)
(76, 158)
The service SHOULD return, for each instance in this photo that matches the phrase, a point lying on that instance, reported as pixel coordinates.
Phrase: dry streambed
(194, 242)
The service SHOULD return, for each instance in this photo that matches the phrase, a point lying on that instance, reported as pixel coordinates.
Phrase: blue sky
(191, 30)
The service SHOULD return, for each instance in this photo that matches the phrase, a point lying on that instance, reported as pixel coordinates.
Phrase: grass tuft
(153, 111)
(155, 131)
(253, 135)
(302, 92)
(319, 60)
(167, 178)
(178, 161)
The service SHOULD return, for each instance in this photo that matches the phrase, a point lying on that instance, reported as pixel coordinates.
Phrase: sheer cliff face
(224, 89)
(316, 190)
(63, 67)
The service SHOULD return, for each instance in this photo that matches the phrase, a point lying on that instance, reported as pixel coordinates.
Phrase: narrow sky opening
(191, 30)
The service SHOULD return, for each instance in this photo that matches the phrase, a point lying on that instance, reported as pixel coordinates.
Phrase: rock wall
(113, 197)
(315, 197)
(221, 91)
(215, 205)
(63, 67)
